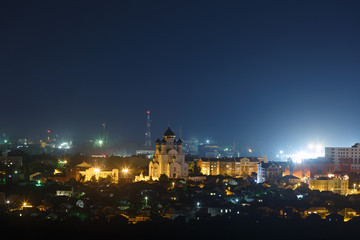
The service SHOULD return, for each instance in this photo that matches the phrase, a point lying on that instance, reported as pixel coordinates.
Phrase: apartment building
(345, 158)
(235, 167)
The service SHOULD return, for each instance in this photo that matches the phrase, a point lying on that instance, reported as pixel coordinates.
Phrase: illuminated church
(168, 158)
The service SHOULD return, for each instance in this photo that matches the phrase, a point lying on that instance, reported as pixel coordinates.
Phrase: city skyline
(270, 76)
(310, 150)
(180, 119)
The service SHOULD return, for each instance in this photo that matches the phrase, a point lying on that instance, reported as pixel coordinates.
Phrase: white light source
(64, 145)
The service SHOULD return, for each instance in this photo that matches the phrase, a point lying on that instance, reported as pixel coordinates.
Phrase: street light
(100, 142)
(96, 171)
(125, 171)
(146, 201)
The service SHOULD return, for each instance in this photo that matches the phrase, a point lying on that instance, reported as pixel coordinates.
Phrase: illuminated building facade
(99, 173)
(345, 158)
(235, 167)
(335, 185)
(321, 168)
(309, 168)
(168, 158)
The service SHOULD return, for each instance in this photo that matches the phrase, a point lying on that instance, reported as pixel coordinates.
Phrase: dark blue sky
(268, 74)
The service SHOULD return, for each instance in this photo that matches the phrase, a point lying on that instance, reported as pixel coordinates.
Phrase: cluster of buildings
(330, 173)
(323, 174)
(228, 194)
(320, 174)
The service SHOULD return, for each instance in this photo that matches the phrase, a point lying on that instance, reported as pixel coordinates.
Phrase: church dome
(169, 133)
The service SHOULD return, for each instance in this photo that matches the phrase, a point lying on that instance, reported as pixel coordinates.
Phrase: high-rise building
(191, 146)
(345, 158)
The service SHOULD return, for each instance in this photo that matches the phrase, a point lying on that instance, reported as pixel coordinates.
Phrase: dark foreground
(210, 229)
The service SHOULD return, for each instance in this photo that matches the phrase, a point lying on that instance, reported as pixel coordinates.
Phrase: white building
(344, 158)
(100, 173)
(168, 158)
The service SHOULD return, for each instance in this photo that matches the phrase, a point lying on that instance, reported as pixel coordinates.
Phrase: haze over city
(270, 75)
(180, 119)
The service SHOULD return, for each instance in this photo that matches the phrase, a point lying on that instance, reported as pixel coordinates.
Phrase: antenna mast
(148, 131)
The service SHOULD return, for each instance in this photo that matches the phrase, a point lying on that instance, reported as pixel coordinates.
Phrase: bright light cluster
(64, 145)
(312, 151)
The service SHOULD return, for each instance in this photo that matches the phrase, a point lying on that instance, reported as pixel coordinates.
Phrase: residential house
(267, 171)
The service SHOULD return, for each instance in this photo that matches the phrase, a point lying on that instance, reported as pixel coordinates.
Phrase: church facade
(168, 158)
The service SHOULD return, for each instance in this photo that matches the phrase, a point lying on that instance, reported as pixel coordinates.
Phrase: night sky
(268, 74)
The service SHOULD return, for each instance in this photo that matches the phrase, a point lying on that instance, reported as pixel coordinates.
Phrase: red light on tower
(148, 112)
(48, 131)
